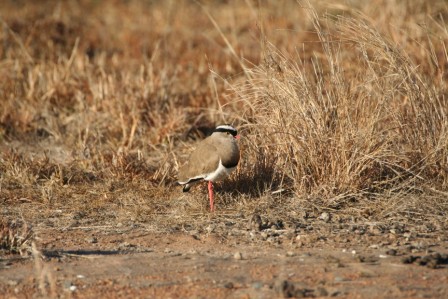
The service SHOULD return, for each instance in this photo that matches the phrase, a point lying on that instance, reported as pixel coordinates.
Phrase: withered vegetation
(341, 108)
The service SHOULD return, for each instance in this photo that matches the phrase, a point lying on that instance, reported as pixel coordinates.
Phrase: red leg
(210, 195)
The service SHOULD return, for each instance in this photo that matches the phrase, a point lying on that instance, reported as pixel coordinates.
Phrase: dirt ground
(247, 258)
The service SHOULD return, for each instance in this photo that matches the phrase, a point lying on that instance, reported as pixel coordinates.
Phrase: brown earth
(232, 259)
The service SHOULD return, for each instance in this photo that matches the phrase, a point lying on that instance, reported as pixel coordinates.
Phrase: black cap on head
(226, 129)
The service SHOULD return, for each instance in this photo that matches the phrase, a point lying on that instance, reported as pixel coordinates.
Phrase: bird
(214, 158)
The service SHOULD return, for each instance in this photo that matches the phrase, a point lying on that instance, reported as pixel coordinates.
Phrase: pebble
(238, 256)
(325, 217)
(392, 252)
(367, 259)
(375, 231)
(229, 285)
(257, 285)
(210, 228)
(92, 240)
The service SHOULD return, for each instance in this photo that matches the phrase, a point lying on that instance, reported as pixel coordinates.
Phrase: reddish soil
(135, 262)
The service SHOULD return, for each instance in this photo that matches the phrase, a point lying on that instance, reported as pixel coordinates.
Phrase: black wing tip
(187, 185)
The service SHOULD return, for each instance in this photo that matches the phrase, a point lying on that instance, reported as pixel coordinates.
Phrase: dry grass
(340, 107)
(15, 237)
(339, 130)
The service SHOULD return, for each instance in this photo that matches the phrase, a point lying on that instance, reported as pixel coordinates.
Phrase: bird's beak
(237, 137)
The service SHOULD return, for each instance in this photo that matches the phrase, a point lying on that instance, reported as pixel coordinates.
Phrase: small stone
(409, 259)
(325, 217)
(264, 235)
(360, 231)
(92, 240)
(238, 256)
(229, 285)
(407, 235)
(210, 228)
(257, 285)
(375, 231)
(367, 259)
(391, 252)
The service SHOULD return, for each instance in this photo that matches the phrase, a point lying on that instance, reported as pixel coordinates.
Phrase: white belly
(220, 173)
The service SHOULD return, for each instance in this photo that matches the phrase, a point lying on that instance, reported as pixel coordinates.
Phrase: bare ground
(239, 258)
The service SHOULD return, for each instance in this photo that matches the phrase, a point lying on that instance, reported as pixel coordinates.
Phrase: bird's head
(227, 129)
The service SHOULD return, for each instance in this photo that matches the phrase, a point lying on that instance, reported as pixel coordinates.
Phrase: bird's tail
(186, 188)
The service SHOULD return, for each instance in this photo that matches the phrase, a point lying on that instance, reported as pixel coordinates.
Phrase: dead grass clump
(358, 118)
(15, 237)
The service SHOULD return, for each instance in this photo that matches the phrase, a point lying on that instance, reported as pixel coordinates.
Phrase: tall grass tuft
(358, 118)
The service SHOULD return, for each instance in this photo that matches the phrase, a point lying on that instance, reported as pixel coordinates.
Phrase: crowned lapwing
(214, 158)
